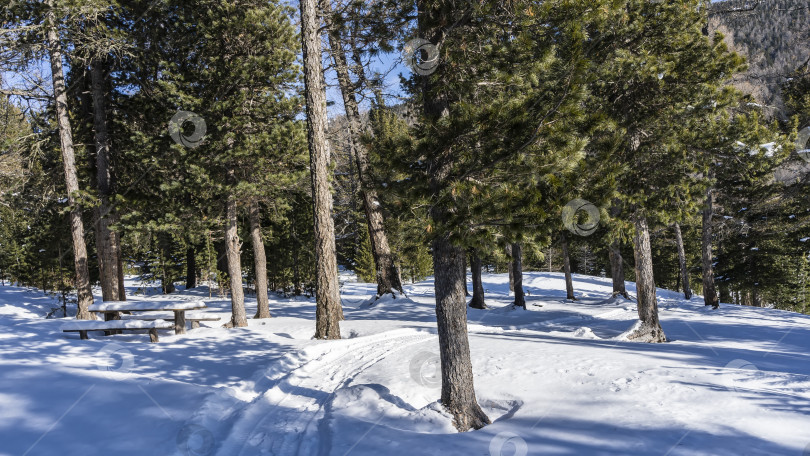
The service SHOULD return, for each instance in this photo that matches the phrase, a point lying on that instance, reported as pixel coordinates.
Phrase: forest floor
(556, 379)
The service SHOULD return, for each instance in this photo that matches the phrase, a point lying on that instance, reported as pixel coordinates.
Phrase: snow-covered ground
(555, 379)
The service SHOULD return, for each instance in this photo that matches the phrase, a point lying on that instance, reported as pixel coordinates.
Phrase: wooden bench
(195, 319)
(82, 326)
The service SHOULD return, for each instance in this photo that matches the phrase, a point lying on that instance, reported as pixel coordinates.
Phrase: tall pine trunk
(477, 301)
(106, 240)
(725, 294)
(233, 247)
(687, 290)
(122, 296)
(328, 311)
(167, 274)
(709, 290)
(387, 271)
(650, 328)
(191, 267)
(458, 391)
(617, 270)
(260, 261)
(83, 290)
(517, 272)
(569, 279)
(510, 267)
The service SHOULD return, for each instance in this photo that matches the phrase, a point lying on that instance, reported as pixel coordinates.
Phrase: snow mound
(585, 333)
(374, 403)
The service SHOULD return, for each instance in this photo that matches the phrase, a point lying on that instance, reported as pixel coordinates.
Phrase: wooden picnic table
(178, 307)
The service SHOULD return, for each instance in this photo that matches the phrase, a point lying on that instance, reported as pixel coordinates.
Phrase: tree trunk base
(469, 417)
(621, 293)
(644, 332)
(260, 314)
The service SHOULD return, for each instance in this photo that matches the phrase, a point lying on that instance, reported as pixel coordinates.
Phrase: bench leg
(195, 324)
(153, 335)
(109, 316)
(179, 321)
(83, 335)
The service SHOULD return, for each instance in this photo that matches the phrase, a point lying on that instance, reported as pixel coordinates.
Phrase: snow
(148, 305)
(556, 379)
(121, 324)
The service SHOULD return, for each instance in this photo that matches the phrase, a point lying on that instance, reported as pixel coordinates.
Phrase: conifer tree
(328, 311)
(465, 111)
(666, 81)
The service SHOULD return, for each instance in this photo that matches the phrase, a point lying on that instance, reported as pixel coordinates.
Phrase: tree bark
(388, 274)
(477, 301)
(83, 290)
(233, 247)
(106, 241)
(756, 298)
(328, 311)
(617, 270)
(511, 267)
(687, 290)
(167, 276)
(260, 261)
(191, 267)
(569, 279)
(122, 292)
(725, 295)
(709, 290)
(517, 272)
(458, 393)
(464, 271)
(650, 328)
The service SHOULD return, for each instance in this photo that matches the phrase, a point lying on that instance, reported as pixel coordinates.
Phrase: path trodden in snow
(556, 379)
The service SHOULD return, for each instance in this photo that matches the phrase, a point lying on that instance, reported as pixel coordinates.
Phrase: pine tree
(531, 126)
(349, 29)
(667, 81)
(364, 260)
(329, 312)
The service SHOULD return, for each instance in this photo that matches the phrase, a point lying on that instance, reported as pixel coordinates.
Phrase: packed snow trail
(289, 419)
